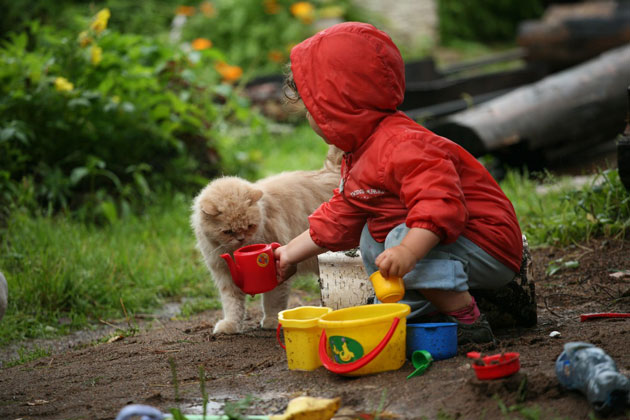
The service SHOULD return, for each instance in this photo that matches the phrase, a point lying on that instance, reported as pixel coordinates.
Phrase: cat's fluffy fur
(231, 212)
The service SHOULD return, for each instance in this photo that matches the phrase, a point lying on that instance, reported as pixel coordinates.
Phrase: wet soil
(95, 381)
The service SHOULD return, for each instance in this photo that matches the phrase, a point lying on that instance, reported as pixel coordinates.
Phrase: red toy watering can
(253, 268)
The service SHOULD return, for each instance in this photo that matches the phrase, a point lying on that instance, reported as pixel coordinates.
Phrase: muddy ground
(95, 381)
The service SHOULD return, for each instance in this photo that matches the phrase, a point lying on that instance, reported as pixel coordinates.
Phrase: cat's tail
(333, 159)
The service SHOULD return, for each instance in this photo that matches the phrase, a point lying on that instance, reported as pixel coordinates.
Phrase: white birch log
(343, 280)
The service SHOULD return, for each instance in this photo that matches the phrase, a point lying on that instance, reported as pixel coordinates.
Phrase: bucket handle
(335, 367)
(278, 336)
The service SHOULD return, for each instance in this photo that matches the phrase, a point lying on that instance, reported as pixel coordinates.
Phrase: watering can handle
(278, 336)
(331, 365)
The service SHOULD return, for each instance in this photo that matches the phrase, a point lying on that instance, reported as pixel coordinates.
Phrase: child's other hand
(284, 269)
(396, 261)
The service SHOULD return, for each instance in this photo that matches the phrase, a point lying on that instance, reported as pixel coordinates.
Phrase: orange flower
(304, 11)
(228, 72)
(276, 56)
(208, 9)
(185, 10)
(271, 7)
(201, 44)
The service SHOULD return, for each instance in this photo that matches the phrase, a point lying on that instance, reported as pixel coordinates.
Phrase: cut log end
(462, 135)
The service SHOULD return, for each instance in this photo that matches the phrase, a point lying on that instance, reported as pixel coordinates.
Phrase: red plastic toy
(495, 366)
(586, 317)
(253, 268)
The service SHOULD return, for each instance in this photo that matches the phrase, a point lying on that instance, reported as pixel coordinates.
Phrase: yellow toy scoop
(309, 408)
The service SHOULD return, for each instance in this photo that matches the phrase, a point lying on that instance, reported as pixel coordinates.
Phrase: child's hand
(396, 261)
(284, 269)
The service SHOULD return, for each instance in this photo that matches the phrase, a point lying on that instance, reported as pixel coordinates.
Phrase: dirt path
(96, 381)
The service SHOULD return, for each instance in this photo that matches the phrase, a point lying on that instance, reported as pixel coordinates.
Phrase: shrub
(484, 20)
(259, 34)
(138, 17)
(99, 121)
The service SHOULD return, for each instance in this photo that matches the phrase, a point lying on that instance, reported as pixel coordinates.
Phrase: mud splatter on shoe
(513, 305)
(478, 332)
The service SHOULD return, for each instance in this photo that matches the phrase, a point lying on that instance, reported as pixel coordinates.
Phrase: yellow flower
(276, 56)
(271, 7)
(331, 12)
(304, 11)
(201, 44)
(96, 54)
(84, 39)
(228, 72)
(208, 9)
(99, 23)
(290, 47)
(185, 10)
(63, 85)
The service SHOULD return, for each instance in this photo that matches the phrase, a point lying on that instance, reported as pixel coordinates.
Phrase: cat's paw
(269, 323)
(225, 326)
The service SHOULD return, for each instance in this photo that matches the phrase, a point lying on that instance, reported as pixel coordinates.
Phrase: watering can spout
(234, 271)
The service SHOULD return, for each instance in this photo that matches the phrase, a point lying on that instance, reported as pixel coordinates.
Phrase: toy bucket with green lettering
(301, 335)
(364, 339)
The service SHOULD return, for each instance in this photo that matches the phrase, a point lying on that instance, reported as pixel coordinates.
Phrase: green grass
(566, 213)
(63, 274)
(296, 148)
(25, 355)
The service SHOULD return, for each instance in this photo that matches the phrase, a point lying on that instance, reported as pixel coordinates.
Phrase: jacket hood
(350, 76)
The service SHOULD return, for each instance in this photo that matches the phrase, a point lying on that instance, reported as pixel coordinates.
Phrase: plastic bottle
(588, 369)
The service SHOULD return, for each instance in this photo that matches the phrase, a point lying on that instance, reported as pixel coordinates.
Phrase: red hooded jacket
(351, 79)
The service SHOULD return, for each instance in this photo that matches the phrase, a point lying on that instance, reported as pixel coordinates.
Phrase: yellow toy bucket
(301, 334)
(364, 339)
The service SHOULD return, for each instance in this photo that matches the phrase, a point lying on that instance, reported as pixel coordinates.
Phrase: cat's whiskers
(217, 248)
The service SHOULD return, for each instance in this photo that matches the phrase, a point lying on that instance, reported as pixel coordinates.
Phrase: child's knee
(396, 235)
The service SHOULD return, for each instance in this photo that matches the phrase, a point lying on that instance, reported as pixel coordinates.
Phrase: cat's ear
(254, 195)
(209, 208)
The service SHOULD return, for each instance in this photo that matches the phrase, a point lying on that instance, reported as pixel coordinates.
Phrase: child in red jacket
(418, 205)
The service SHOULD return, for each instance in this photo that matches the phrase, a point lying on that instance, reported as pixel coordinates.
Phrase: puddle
(215, 407)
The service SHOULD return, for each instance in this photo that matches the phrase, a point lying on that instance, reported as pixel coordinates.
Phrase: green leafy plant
(559, 265)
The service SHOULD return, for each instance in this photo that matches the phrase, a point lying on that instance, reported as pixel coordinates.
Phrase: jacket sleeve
(336, 225)
(427, 182)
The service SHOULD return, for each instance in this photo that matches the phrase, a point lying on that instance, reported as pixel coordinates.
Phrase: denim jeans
(458, 266)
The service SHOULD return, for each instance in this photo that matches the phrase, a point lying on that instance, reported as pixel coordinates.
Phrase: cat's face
(230, 213)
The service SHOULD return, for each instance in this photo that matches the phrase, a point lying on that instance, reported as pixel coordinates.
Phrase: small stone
(554, 334)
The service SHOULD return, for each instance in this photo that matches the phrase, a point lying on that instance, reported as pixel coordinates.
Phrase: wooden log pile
(569, 34)
(558, 115)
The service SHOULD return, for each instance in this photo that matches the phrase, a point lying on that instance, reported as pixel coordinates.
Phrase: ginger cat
(231, 212)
